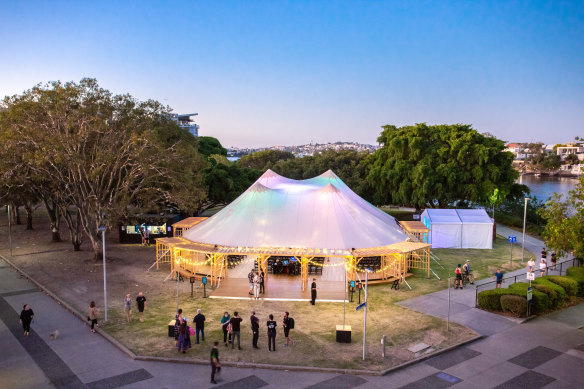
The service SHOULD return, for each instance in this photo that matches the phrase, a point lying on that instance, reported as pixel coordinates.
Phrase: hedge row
(548, 292)
(577, 274)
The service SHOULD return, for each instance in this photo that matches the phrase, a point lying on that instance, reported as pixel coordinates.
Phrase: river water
(543, 187)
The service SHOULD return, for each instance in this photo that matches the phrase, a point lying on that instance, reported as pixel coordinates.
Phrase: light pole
(365, 311)
(9, 230)
(102, 229)
(524, 219)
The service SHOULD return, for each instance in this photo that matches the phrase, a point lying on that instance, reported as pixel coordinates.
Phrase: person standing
(554, 259)
(128, 307)
(92, 315)
(262, 279)
(178, 319)
(256, 286)
(26, 318)
(255, 328)
(542, 267)
(543, 253)
(250, 278)
(530, 265)
(498, 277)
(215, 365)
(224, 325)
(146, 236)
(271, 333)
(200, 325)
(182, 337)
(287, 324)
(313, 291)
(467, 272)
(141, 302)
(235, 322)
(458, 279)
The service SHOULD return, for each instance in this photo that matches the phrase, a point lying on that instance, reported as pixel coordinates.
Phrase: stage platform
(280, 287)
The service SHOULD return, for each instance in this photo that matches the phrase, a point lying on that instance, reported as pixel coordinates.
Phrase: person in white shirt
(530, 265)
(542, 267)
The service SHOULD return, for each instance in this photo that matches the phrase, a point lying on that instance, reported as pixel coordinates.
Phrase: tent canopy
(459, 228)
(320, 212)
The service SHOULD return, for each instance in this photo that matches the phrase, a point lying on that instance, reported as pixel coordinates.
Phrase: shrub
(540, 302)
(491, 299)
(570, 285)
(514, 304)
(556, 293)
(577, 274)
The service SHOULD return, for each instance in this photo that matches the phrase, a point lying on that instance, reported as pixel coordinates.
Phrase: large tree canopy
(564, 231)
(105, 155)
(436, 166)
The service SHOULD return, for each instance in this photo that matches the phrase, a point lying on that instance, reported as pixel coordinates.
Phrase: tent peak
(329, 188)
(258, 187)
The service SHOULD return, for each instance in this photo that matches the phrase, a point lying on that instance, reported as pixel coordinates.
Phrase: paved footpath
(545, 352)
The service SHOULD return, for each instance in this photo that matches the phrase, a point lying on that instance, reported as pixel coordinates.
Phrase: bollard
(383, 348)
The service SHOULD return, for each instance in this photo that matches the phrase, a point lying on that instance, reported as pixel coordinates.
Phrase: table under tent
(316, 227)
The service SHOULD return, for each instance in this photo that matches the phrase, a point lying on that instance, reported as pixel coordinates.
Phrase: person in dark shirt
(271, 333)
(26, 318)
(286, 325)
(313, 291)
(498, 277)
(554, 259)
(235, 322)
(141, 302)
(199, 320)
(215, 365)
(255, 327)
(262, 280)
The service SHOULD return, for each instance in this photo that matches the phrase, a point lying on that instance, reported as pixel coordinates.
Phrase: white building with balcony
(185, 121)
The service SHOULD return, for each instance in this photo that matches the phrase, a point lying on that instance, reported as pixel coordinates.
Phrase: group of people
(231, 326)
(460, 271)
(182, 331)
(256, 283)
(543, 265)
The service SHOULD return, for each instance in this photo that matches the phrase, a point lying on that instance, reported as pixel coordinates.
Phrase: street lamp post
(102, 229)
(10, 230)
(524, 220)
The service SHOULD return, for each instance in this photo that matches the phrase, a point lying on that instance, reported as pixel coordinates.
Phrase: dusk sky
(290, 72)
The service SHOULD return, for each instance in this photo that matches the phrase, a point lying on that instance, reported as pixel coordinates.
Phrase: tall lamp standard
(524, 219)
(102, 229)
(10, 229)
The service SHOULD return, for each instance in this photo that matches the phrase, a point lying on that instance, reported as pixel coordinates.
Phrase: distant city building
(305, 150)
(185, 121)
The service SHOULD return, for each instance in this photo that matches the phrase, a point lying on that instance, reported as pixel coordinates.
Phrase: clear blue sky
(288, 72)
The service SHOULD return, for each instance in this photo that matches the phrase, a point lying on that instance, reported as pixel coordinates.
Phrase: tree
(572, 159)
(105, 155)
(265, 159)
(209, 146)
(564, 231)
(440, 165)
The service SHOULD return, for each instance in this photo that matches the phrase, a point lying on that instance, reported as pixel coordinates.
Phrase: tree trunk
(74, 225)
(54, 217)
(28, 208)
(17, 215)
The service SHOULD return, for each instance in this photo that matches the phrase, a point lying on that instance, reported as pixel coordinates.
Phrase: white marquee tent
(321, 212)
(459, 228)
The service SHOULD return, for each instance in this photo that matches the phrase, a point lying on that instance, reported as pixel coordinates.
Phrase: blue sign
(529, 294)
(352, 284)
(511, 239)
(204, 280)
(448, 378)
(361, 306)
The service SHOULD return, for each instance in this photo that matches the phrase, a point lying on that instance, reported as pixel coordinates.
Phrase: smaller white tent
(459, 228)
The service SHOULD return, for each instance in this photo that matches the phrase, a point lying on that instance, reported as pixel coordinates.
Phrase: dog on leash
(54, 335)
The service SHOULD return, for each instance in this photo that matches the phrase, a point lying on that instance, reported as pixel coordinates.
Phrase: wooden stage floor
(280, 287)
